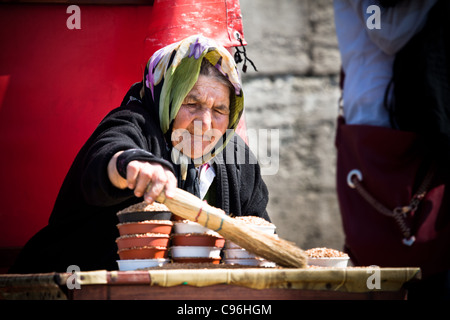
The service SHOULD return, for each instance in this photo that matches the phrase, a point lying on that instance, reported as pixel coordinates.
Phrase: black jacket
(82, 227)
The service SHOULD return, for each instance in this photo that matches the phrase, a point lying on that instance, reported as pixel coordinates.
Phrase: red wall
(56, 85)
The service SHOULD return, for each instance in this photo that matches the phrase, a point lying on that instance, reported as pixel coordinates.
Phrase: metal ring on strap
(354, 172)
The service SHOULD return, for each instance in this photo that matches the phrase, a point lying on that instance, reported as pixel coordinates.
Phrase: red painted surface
(173, 20)
(57, 84)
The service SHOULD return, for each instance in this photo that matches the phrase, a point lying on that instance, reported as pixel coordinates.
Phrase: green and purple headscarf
(173, 71)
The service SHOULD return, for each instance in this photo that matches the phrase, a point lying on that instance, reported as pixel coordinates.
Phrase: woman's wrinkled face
(203, 117)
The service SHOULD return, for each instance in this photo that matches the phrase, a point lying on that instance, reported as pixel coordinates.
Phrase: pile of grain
(254, 220)
(145, 207)
(325, 253)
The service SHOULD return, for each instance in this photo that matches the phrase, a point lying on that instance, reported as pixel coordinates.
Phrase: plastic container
(250, 262)
(231, 245)
(143, 240)
(143, 216)
(149, 226)
(186, 226)
(197, 239)
(143, 253)
(238, 254)
(333, 262)
(244, 262)
(265, 229)
(129, 265)
(195, 252)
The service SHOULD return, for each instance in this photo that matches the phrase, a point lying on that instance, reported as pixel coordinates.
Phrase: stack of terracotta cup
(193, 243)
(144, 236)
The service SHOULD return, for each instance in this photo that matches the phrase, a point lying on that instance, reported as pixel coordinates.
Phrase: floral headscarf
(173, 70)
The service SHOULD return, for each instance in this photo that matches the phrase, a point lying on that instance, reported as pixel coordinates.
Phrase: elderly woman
(173, 129)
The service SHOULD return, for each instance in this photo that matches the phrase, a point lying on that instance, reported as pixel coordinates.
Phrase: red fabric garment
(390, 162)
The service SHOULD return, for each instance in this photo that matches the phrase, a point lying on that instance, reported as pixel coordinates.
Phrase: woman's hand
(146, 179)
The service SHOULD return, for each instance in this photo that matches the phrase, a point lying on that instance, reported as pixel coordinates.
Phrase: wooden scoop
(264, 245)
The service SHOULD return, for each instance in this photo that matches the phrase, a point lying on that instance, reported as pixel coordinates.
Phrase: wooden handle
(190, 207)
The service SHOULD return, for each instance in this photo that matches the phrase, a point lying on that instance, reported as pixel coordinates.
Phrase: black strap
(238, 58)
(140, 155)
